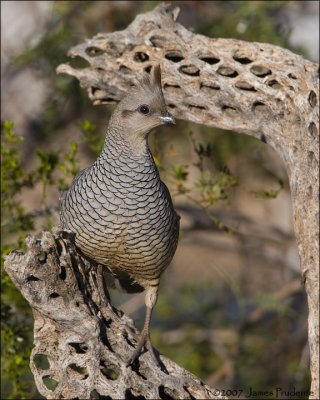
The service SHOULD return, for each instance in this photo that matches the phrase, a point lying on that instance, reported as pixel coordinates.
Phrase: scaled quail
(119, 208)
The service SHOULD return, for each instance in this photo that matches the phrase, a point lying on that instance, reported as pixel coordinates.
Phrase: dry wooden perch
(253, 88)
(81, 347)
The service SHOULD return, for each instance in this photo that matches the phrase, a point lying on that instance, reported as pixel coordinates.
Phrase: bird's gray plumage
(119, 208)
(122, 214)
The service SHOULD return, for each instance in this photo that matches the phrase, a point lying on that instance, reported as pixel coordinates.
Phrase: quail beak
(168, 118)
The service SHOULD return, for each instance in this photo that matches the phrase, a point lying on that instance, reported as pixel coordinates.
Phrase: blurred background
(231, 309)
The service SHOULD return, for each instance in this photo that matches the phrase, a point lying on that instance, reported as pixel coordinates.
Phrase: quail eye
(144, 109)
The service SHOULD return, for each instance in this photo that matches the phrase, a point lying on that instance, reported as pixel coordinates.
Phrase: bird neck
(119, 143)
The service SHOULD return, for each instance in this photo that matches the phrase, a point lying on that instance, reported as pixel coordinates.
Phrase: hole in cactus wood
(148, 69)
(260, 71)
(209, 86)
(32, 278)
(42, 257)
(229, 109)
(312, 99)
(292, 76)
(63, 273)
(259, 107)
(173, 89)
(242, 59)
(93, 51)
(94, 394)
(140, 56)
(83, 371)
(49, 382)
(167, 393)
(174, 57)
(245, 86)
(124, 70)
(158, 41)
(54, 295)
(80, 348)
(210, 60)
(41, 361)
(109, 371)
(227, 71)
(79, 63)
(274, 84)
(190, 70)
(131, 395)
(196, 107)
(312, 128)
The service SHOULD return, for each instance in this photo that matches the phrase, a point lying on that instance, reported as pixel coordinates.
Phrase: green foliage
(13, 180)
(48, 162)
(16, 321)
(70, 165)
(11, 170)
(246, 20)
(92, 136)
(269, 194)
(212, 185)
(15, 332)
(16, 341)
(214, 188)
(179, 172)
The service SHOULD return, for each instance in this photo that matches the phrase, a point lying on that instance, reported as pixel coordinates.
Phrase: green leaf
(179, 172)
(92, 136)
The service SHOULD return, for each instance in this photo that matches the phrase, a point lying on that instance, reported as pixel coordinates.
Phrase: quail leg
(150, 300)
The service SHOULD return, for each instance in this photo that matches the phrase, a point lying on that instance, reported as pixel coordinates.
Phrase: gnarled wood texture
(253, 88)
(81, 347)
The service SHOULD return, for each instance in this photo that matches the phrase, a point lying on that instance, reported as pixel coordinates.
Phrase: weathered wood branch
(253, 88)
(81, 346)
